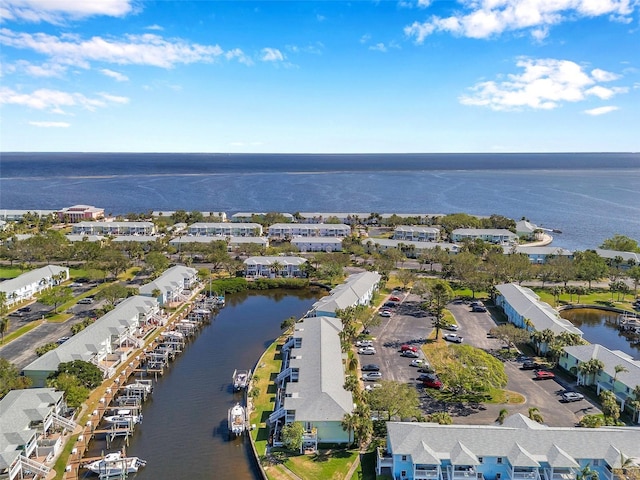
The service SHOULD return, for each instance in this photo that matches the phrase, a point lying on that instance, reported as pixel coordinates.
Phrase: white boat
(125, 417)
(114, 465)
(241, 379)
(139, 387)
(237, 420)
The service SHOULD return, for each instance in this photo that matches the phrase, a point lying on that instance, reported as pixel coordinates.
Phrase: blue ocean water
(589, 197)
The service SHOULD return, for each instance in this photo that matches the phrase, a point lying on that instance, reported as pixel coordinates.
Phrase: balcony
(525, 475)
(464, 473)
(426, 473)
(560, 474)
(385, 460)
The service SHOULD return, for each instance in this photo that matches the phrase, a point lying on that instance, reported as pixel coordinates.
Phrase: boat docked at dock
(241, 379)
(140, 387)
(123, 416)
(115, 465)
(237, 419)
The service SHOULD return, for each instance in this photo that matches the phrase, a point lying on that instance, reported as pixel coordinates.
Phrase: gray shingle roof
(172, 279)
(349, 293)
(610, 358)
(528, 305)
(31, 277)
(318, 395)
(558, 446)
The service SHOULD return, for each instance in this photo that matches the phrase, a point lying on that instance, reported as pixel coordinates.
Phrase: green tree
(590, 266)
(634, 274)
(591, 421)
(288, 323)
(112, 293)
(88, 374)
(620, 243)
(610, 407)
(510, 334)
(41, 350)
(587, 473)
(156, 263)
(10, 378)
(4, 327)
(502, 415)
(56, 296)
(406, 277)
(470, 371)
(534, 414)
(442, 418)
(395, 398)
(618, 369)
(440, 294)
(292, 436)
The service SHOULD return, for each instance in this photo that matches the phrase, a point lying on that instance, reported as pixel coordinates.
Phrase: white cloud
(378, 47)
(56, 101)
(603, 76)
(55, 11)
(239, 55)
(414, 3)
(146, 49)
(488, 18)
(50, 124)
(365, 38)
(544, 84)
(271, 55)
(601, 110)
(154, 27)
(117, 76)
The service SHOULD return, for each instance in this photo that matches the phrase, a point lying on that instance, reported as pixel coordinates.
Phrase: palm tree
(589, 369)
(4, 327)
(618, 369)
(587, 473)
(349, 423)
(276, 267)
(535, 415)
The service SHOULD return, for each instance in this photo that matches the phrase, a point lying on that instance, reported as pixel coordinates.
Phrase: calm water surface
(599, 326)
(184, 433)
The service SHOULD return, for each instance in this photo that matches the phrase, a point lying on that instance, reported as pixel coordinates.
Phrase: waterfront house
(519, 449)
(225, 229)
(621, 384)
(416, 233)
(311, 384)
(31, 426)
(498, 236)
(280, 266)
(358, 289)
(538, 255)
(289, 230)
(25, 286)
(317, 244)
(528, 231)
(410, 248)
(523, 308)
(114, 228)
(17, 215)
(175, 285)
(107, 342)
(79, 213)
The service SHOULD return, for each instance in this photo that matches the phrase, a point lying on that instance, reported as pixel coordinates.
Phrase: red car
(430, 381)
(394, 298)
(411, 348)
(544, 375)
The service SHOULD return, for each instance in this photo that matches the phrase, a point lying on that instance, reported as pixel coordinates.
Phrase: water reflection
(600, 326)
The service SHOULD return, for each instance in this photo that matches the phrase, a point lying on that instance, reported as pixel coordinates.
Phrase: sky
(278, 76)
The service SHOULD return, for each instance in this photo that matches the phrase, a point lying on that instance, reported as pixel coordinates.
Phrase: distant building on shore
(79, 213)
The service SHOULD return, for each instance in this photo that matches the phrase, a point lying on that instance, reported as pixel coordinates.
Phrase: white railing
(34, 466)
(564, 475)
(462, 474)
(281, 412)
(426, 473)
(64, 422)
(284, 374)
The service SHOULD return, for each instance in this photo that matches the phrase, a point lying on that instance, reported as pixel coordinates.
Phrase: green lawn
(323, 465)
(594, 297)
(21, 331)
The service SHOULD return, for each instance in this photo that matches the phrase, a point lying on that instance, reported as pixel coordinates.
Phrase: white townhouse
(225, 229)
(107, 342)
(289, 230)
(538, 255)
(491, 235)
(528, 231)
(317, 244)
(311, 385)
(16, 215)
(321, 217)
(519, 449)
(358, 289)
(73, 238)
(221, 216)
(137, 238)
(25, 286)
(175, 285)
(521, 303)
(31, 427)
(248, 216)
(410, 248)
(628, 259)
(416, 233)
(78, 213)
(267, 266)
(621, 384)
(114, 228)
(232, 242)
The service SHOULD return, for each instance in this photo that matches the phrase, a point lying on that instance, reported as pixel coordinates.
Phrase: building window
(404, 458)
(480, 460)
(596, 462)
(403, 474)
(499, 460)
(498, 476)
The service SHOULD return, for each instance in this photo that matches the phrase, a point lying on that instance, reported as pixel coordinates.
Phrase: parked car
(372, 377)
(371, 386)
(367, 351)
(451, 327)
(418, 362)
(61, 340)
(85, 301)
(430, 381)
(426, 369)
(406, 347)
(543, 375)
(410, 354)
(364, 343)
(24, 309)
(394, 298)
(567, 397)
(478, 308)
(453, 337)
(370, 367)
(390, 304)
(385, 313)
(531, 366)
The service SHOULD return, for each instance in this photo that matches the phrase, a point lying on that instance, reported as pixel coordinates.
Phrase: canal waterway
(600, 326)
(184, 433)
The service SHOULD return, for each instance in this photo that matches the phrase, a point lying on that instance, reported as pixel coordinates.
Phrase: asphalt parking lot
(405, 327)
